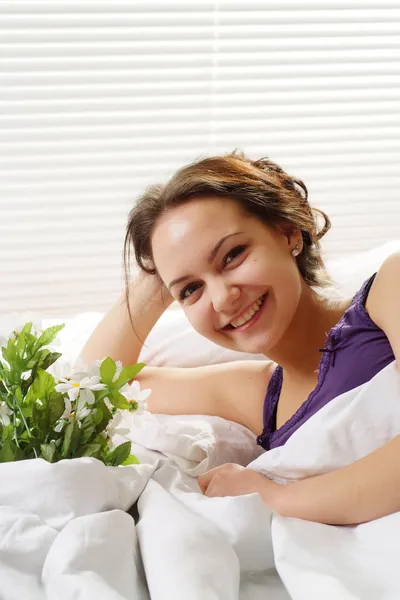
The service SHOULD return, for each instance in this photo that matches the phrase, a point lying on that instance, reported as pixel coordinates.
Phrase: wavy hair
(260, 187)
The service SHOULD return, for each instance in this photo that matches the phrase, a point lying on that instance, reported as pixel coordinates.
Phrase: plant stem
(28, 431)
(15, 430)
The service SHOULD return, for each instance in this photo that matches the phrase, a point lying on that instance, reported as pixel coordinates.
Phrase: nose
(223, 296)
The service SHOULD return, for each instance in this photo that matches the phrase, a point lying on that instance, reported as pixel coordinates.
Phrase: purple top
(355, 350)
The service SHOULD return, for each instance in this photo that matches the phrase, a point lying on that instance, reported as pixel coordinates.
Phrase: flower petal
(63, 387)
(120, 431)
(60, 426)
(78, 376)
(135, 387)
(98, 386)
(144, 394)
(68, 408)
(81, 414)
(93, 370)
(73, 393)
(86, 397)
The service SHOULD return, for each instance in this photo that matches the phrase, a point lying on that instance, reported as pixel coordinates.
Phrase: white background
(100, 99)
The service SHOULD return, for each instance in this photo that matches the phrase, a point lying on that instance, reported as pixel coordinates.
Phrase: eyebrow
(211, 257)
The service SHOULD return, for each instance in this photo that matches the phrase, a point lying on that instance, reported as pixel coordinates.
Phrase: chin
(248, 346)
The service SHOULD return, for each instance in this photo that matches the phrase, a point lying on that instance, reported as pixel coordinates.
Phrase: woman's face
(224, 268)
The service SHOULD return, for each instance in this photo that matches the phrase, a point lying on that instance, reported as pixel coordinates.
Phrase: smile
(251, 315)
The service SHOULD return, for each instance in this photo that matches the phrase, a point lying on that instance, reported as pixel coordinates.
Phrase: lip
(244, 312)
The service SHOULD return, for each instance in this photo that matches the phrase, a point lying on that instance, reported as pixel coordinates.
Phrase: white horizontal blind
(100, 99)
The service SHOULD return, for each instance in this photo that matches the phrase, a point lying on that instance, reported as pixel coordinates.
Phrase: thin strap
(367, 288)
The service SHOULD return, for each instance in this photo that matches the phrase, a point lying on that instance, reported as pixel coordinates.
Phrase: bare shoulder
(383, 302)
(385, 290)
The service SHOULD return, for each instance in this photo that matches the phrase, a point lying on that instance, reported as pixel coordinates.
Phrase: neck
(298, 350)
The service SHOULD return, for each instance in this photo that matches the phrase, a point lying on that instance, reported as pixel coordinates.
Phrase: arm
(365, 490)
(211, 390)
(370, 487)
(114, 336)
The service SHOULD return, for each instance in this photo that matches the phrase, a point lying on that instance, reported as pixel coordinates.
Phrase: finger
(205, 479)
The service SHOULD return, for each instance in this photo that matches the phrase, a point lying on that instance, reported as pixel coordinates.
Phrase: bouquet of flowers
(51, 410)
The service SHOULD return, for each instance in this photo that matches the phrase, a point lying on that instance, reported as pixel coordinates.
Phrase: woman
(236, 243)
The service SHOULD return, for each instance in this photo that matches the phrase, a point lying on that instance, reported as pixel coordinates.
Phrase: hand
(234, 480)
(148, 293)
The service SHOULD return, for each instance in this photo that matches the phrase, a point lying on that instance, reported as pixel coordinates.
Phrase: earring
(296, 250)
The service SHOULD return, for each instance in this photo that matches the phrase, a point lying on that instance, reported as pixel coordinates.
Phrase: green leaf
(43, 384)
(39, 417)
(8, 451)
(71, 439)
(119, 401)
(10, 352)
(119, 454)
(48, 336)
(106, 416)
(56, 407)
(18, 394)
(30, 339)
(88, 429)
(97, 415)
(102, 441)
(50, 359)
(21, 342)
(131, 460)
(107, 370)
(8, 432)
(93, 450)
(48, 452)
(27, 328)
(127, 374)
(41, 357)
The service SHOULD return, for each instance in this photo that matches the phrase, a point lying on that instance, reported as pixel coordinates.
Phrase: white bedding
(64, 532)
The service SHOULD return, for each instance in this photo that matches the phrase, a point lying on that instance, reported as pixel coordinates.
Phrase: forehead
(187, 233)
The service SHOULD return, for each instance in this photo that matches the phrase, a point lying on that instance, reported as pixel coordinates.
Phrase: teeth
(255, 307)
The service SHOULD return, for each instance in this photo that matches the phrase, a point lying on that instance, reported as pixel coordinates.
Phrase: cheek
(199, 317)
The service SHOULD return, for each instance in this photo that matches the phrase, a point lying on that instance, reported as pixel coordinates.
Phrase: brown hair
(261, 188)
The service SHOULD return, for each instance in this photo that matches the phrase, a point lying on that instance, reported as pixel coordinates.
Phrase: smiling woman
(236, 243)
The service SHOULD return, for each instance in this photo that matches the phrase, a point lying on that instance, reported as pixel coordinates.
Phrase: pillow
(174, 343)
(350, 272)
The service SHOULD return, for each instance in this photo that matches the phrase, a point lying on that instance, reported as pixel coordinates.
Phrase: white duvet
(65, 532)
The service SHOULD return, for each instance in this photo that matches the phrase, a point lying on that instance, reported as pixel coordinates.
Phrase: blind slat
(98, 100)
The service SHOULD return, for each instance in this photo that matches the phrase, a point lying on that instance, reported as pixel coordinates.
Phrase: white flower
(80, 366)
(80, 382)
(65, 416)
(5, 413)
(86, 399)
(113, 427)
(61, 369)
(108, 403)
(13, 323)
(132, 392)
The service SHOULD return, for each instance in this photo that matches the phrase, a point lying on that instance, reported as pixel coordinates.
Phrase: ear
(293, 236)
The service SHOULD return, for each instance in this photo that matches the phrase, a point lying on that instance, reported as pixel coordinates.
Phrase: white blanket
(65, 532)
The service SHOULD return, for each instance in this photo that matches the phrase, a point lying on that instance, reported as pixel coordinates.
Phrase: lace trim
(328, 355)
(273, 392)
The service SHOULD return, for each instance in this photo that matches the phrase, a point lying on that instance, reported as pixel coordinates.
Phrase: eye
(236, 251)
(188, 291)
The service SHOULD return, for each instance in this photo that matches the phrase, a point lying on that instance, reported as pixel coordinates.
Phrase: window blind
(100, 99)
